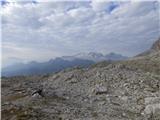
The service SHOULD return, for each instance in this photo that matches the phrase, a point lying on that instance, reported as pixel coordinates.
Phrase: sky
(43, 30)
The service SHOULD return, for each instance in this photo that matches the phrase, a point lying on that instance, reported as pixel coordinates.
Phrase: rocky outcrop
(154, 48)
(156, 45)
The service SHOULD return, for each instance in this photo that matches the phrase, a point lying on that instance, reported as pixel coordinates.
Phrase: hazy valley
(59, 63)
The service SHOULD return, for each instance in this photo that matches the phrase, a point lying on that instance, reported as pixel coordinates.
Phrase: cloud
(101, 6)
(13, 54)
(44, 30)
(135, 9)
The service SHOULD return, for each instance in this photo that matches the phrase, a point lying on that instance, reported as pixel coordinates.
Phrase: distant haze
(60, 63)
(41, 31)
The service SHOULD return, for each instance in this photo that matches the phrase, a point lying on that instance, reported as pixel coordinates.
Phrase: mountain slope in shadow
(35, 68)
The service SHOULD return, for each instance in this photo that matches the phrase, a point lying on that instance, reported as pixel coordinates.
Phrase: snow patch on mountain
(96, 57)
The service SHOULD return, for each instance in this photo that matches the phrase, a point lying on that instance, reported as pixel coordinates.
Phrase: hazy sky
(40, 31)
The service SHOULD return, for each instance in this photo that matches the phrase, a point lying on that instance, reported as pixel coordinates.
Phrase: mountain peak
(97, 57)
(90, 55)
(32, 62)
(94, 54)
(156, 45)
(115, 56)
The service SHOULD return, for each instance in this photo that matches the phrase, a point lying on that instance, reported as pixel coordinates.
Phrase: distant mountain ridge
(35, 68)
(96, 57)
(59, 63)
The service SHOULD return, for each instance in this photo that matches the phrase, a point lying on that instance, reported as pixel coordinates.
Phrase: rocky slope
(127, 90)
(156, 45)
